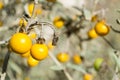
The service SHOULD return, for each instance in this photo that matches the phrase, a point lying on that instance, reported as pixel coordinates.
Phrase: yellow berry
(20, 43)
(63, 57)
(27, 54)
(102, 29)
(39, 51)
(88, 77)
(59, 24)
(92, 34)
(32, 62)
(77, 59)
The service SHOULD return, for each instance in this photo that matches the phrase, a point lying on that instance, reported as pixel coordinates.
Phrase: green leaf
(15, 67)
(87, 14)
(117, 59)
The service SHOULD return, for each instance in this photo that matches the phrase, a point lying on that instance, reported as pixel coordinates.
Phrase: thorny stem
(60, 65)
(108, 43)
(4, 67)
(117, 31)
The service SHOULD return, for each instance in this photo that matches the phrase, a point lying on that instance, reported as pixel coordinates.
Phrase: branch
(117, 31)
(109, 43)
(5, 64)
(60, 65)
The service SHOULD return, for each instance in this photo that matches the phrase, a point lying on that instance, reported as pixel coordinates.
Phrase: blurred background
(76, 17)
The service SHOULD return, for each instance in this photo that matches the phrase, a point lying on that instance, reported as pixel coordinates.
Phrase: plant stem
(4, 67)
(60, 65)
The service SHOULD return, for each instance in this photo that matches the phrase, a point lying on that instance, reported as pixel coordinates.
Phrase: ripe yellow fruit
(20, 43)
(39, 51)
(32, 62)
(88, 77)
(27, 54)
(59, 24)
(63, 57)
(77, 59)
(50, 46)
(101, 28)
(92, 34)
(22, 22)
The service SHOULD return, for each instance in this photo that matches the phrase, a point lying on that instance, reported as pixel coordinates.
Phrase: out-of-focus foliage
(73, 19)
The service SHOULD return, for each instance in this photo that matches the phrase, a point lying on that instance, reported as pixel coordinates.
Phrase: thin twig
(117, 31)
(5, 64)
(33, 16)
(108, 43)
(60, 65)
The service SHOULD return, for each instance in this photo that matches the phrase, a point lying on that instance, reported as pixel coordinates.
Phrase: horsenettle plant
(48, 32)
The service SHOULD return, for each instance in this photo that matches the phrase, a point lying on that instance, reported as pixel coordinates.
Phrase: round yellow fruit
(27, 54)
(88, 77)
(63, 57)
(77, 59)
(39, 51)
(92, 34)
(20, 43)
(59, 24)
(102, 29)
(32, 62)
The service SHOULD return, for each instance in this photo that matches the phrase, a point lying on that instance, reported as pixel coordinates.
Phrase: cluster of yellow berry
(65, 57)
(21, 44)
(100, 29)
